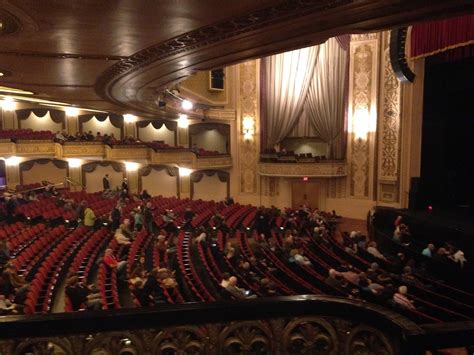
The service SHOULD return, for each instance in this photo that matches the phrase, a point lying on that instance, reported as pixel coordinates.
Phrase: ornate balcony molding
(36, 148)
(127, 152)
(179, 158)
(7, 148)
(221, 162)
(321, 169)
(77, 150)
(278, 325)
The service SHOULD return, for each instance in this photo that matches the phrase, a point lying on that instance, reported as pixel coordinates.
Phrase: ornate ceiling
(118, 55)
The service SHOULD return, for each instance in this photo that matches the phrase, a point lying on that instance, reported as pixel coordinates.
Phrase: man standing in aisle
(106, 182)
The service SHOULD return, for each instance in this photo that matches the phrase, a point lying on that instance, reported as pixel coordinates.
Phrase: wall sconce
(71, 111)
(8, 104)
(183, 121)
(74, 163)
(248, 127)
(131, 166)
(187, 105)
(12, 161)
(185, 171)
(361, 123)
(129, 118)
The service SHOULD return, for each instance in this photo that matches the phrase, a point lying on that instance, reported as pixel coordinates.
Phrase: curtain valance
(115, 120)
(90, 167)
(170, 170)
(157, 124)
(198, 175)
(28, 165)
(56, 115)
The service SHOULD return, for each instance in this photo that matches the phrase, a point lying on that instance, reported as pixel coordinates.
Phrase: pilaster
(362, 117)
(13, 175)
(184, 186)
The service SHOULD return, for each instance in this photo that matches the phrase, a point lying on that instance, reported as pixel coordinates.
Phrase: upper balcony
(125, 152)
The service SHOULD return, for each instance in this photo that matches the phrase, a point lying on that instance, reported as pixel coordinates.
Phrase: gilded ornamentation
(182, 158)
(249, 337)
(180, 340)
(214, 162)
(127, 153)
(297, 335)
(83, 150)
(35, 148)
(367, 340)
(248, 150)
(333, 169)
(7, 148)
(310, 335)
(363, 102)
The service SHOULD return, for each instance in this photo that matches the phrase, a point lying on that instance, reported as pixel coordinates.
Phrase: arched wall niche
(94, 172)
(38, 170)
(210, 185)
(159, 180)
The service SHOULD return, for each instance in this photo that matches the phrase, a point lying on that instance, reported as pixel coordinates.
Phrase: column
(132, 176)
(183, 136)
(390, 100)
(12, 170)
(184, 186)
(362, 115)
(75, 175)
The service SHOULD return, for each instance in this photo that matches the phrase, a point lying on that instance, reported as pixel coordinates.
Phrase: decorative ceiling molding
(206, 35)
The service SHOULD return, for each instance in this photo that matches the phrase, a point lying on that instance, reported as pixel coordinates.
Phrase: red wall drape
(438, 36)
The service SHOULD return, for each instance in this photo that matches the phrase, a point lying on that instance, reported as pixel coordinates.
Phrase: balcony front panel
(216, 162)
(127, 153)
(319, 169)
(179, 158)
(7, 148)
(83, 149)
(36, 148)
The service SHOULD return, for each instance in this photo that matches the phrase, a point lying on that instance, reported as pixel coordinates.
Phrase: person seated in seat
(7, 307)
(296, 255)
(120, 236)
(113, 264)
(372, 249)
(14, 284)
(141, 295)
(429, 250)
(401, 298)
(202, 237)
(377, 275)
(442, 255)
(458, 258)
(235, 291)
(334, 279)
(152, 287)
(80, 294)
(139, 272)
(127, 229)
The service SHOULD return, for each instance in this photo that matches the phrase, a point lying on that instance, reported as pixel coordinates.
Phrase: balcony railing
(280, 325)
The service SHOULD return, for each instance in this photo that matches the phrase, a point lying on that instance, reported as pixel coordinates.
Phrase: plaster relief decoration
(362, 113)
(248, 152)
(389, 131)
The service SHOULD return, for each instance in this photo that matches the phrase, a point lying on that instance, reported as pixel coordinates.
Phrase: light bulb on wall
(361, 123)
(248, 127)
(129, 118)
(183, 121)
(71, 111)
(8, 104)
(187, 105)
(131, 166)
(184, 171)
(74, 163)
(12, 161)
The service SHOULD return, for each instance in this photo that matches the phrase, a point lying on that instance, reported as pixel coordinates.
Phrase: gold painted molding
(36, 148)
(330, 169)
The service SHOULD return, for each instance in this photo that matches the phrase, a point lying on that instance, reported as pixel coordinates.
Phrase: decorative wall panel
(300, 170)
(362, 113)
(388, 129)
(248, 149)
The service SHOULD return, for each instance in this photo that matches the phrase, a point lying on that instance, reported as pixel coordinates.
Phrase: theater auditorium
(236, 177)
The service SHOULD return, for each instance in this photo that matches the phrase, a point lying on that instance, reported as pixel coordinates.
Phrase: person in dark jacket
(115, 217)
(106, 182)
(80, 294)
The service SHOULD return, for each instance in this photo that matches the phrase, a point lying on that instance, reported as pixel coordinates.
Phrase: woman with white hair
(401, 298)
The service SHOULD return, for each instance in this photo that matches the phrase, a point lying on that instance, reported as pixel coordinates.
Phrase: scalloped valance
(157, 124)
(198, 175)
(90, 167)
(222, 128)
(28, 165)
(170, 170)
(116, 120)
(56, 115)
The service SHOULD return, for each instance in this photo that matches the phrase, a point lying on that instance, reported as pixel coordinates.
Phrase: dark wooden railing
(279, 325)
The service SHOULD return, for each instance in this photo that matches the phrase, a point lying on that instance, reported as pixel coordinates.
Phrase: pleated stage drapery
(324, 105)
(288, 76)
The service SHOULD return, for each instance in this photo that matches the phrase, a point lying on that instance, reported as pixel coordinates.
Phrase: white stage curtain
(288, 77)
(324, 103)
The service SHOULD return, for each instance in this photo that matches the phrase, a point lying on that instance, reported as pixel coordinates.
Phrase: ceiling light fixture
(187, 105)
(71, 111)
(8, 104)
